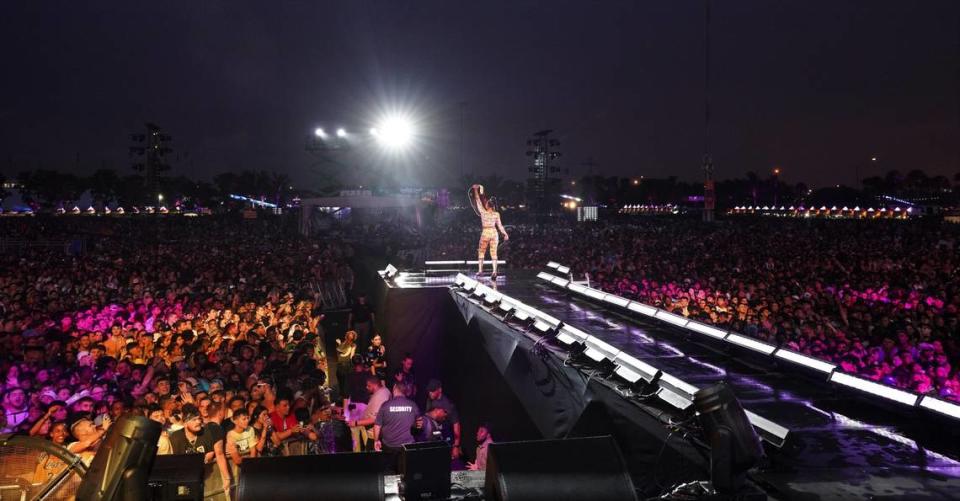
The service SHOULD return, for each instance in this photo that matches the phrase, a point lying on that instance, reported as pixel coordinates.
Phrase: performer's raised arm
(475, 199)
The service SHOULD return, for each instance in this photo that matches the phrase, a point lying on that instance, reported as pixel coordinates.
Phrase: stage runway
(839, 446)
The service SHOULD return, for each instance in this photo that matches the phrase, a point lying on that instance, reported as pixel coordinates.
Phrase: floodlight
(395, 132)
(648, 372)
(320, 133)
(734, 444)
(341, 132)
(769, 431)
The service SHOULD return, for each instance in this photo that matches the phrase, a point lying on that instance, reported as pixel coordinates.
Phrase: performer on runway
(490, 234)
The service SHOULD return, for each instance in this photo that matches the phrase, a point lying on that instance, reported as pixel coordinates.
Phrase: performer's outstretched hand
(506, 237)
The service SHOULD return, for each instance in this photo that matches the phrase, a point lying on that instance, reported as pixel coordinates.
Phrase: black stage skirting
(494, 373)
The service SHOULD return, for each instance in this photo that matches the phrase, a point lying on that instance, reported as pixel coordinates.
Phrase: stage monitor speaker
(331, 477)
(569, 469)
(425, 467)
(177, 477)
(119, 470)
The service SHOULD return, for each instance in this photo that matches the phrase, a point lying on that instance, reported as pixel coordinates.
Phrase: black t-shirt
(202, 445)
(356, 386)
(362, 312)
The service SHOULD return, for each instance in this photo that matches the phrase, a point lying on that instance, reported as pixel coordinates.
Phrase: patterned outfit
(489, 237)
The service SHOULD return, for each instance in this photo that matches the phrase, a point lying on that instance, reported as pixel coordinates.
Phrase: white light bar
(751, 343)
(594, 293)
(521, 315)
(647, 371)
(670, 318)
(772, 432)
(492, 297)
(573, 331)
(562, 282)
(545, 276)
(805, 361)
(617, 300)
(506, 306)
(553, 265)
(594, 354)
(603, 346)
(641, 308)
(438, 263)
(461, 279)
(566, 339)
(941, 406)
(627, 374)
(541, 326)
(579, 289)
(477, 262)
(878, 389)
(706, 329)
(563, 269)
(682, 388)
(674, 399)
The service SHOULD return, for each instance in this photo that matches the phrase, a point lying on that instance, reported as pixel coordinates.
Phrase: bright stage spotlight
(394, 132)
(341, 132)
(320, 133)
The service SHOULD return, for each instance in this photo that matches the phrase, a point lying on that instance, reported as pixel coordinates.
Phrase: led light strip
(647, 371)
(706, 329)
(751, 343)
(563, 269)
(769, 427)
(553, 265)
(941, 406)
(670, 318)
(805, 361)
(880, 390)
(438, 263)
(617, 300)
(641, 308)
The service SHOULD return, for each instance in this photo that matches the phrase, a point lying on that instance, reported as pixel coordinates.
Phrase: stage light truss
(810, 362)
(863, 385)
(878, 389)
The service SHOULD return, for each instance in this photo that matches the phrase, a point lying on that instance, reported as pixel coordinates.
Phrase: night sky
(816, 87)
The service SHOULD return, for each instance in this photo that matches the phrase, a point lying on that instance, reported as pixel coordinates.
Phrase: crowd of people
(208, 326)
(879, 298)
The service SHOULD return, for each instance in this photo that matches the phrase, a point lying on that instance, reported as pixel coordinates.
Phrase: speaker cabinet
(555, 470)
(331, 477)
(425, 467)
(177, 477)
(120, 469)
